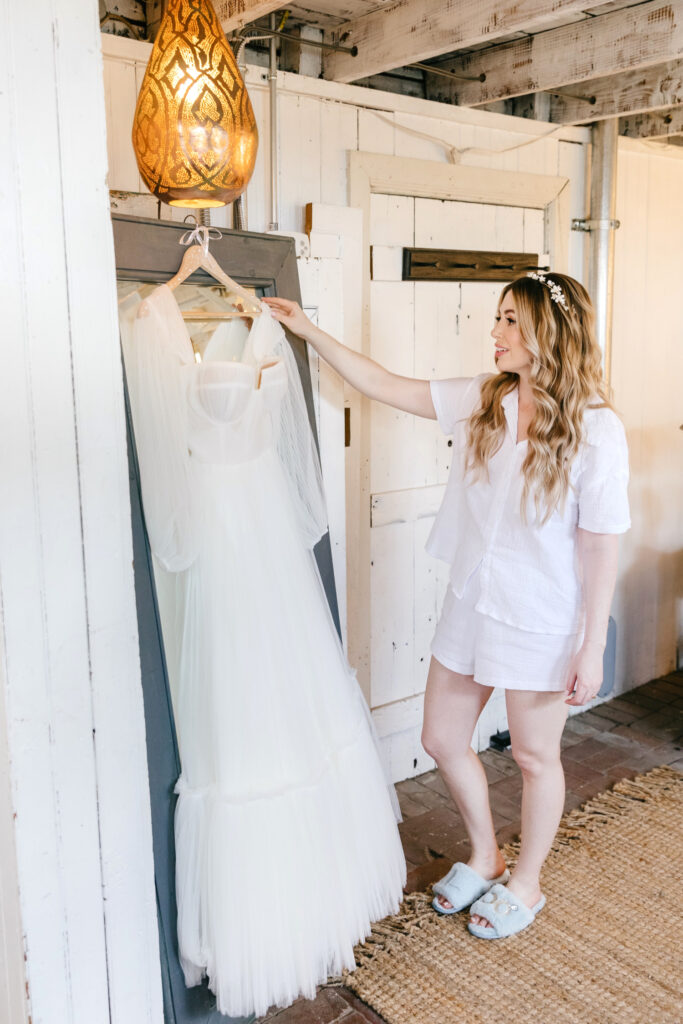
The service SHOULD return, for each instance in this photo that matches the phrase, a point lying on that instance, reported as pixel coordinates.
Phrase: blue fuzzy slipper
(461, 886)
(507, 914)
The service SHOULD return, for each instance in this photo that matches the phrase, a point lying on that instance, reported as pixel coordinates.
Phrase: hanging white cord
(456, 152)
(200, 235)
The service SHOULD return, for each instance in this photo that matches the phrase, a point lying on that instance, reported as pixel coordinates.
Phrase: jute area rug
(606, 949)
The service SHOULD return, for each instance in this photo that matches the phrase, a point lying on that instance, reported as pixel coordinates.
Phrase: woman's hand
(584, 678)
(290, 314)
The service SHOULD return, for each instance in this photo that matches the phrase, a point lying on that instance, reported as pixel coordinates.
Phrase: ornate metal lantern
(194, 131)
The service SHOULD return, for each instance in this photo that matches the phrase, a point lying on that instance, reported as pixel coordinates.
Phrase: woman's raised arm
(367, 376)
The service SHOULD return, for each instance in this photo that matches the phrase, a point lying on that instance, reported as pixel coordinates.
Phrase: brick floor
(619, 739)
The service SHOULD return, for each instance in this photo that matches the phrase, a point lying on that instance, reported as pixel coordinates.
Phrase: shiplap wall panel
(391, 561)
(533, 238)
(392, 220)
(338, 135)
(44, 615)
(257, 195)
(387, 263)
(445, 224)
(647, 367)
(431, 581)
(402, 750)
(72, 685)
(437, 311)
(121, 91)
(300, 157)
(407, 144)
(392, 332)
(124, 822)
(540, 157)
(321, 283)
(376, 133)
(13, 993)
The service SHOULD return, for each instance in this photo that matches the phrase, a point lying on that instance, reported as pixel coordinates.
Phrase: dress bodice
(232, 409)
(196, 424)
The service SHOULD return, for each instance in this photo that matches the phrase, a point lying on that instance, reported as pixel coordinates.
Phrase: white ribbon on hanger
(200, 235)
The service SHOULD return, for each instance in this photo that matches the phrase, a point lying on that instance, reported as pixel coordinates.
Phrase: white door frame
(406, 176)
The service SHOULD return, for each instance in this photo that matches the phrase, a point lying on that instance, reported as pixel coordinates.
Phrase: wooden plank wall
(322, 298)
(647, 370)
(74, 743)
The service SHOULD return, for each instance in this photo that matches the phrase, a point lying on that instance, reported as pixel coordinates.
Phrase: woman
(535, 499)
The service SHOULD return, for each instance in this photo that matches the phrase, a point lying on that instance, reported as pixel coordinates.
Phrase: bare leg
(536, 721)
(453, 703)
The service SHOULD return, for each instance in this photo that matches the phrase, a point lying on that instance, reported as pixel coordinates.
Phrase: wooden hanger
(198, 256)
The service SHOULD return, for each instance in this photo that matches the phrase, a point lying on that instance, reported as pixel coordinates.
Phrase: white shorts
(498, 654)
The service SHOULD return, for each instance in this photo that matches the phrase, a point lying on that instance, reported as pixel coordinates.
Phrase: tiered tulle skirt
(286, 840)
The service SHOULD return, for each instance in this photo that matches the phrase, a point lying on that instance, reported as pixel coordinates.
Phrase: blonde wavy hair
(566, 377)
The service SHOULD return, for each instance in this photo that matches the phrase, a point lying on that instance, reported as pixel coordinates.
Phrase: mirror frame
(148, 251)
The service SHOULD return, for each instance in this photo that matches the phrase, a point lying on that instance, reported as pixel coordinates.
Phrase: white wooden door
(422, 329)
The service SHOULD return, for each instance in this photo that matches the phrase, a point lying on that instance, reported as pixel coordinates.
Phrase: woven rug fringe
(416, 910)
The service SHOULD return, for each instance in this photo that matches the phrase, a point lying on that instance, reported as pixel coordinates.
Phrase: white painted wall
(321, 280)
(647, 371)
(320, 122)
(13, 994)
(75, 828)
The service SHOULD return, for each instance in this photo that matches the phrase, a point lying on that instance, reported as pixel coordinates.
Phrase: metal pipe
(239, 213)
(574, 96)
(245, 40)
(353, 50)
(447, 74)
(605, 140)
(272, 79)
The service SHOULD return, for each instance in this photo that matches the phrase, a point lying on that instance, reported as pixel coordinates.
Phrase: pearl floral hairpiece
(556, 293)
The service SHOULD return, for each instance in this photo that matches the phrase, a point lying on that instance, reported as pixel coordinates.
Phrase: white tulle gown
(286, 840)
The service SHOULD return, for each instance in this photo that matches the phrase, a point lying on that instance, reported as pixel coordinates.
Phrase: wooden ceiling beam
(410, 31)
(638, 37)
(631, 92)
(235, 14)
(659, 125)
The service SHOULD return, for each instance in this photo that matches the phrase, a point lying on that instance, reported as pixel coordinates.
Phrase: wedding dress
(286, 840)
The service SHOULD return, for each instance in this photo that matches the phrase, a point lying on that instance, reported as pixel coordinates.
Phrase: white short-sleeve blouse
(529, 573)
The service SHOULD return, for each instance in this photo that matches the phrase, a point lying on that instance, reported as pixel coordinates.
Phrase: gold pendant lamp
(194, 131)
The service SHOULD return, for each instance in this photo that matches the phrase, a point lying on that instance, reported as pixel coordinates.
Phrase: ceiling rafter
(416, 30)
(630, 92)
(566, 61)
(635, 38)
(660, 125)
(235, 14)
